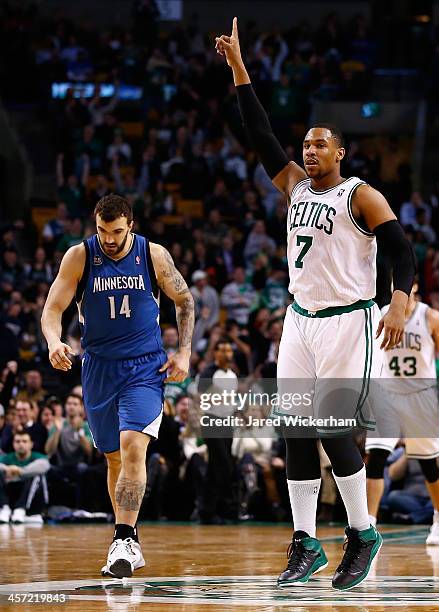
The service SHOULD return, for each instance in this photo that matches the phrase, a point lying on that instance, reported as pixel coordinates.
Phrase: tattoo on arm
(173, 284)
(129, 493)
(185, 321)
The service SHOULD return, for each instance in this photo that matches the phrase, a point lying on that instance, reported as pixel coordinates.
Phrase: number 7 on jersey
(307, 242)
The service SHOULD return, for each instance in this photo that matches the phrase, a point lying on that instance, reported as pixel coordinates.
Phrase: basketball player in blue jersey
(115, 277)
(331, 330)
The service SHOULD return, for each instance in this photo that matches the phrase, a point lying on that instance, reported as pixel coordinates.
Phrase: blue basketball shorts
(121, 395)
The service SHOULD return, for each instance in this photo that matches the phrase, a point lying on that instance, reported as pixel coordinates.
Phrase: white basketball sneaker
(124, 557)
(18, 516)
(34, 519)
(5, 514)
(433, 536)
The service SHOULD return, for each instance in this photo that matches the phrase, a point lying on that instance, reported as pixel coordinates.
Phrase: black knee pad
(376, 463)
(429, 469)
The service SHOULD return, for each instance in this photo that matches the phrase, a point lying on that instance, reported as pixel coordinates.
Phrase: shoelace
(295, 553)
(352, 547)
(129, 545)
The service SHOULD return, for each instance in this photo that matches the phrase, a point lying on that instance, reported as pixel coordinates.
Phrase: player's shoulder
(76, 249)
(74, 259)
(75, 252)
(364, 190)
(159, 253)
(295, 187)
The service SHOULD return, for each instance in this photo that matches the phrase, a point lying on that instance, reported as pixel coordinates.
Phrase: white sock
(373, 520)
(303, 500)
(353, 493)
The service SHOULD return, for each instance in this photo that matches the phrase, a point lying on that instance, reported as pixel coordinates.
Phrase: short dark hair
(181, 397)
(220, 342)
(76, 396)
(21, 433)
(335, 132)
(113, 206)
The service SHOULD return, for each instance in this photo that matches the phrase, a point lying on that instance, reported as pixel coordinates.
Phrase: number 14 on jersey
(124, 307)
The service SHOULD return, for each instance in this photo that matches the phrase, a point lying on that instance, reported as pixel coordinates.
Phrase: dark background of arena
(117, 96)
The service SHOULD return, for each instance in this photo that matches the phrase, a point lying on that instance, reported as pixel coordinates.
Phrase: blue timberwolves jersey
(118, 312)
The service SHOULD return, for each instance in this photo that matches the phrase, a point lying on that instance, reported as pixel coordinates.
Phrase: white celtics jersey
(331, 259)
(414, 357)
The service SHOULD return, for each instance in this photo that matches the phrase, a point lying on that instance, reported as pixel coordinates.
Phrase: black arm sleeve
(258, 127)
(391, 238)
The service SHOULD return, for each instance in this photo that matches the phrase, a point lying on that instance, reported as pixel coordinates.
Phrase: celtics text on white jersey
(414, 356)
(331, 258)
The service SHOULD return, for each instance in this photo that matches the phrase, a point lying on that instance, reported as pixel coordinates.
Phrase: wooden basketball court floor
(190, 567)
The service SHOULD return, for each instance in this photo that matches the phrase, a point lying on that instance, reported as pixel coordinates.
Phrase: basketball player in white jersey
(329, 331)
(408, 407)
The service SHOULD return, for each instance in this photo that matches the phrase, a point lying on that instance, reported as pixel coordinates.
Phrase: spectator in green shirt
(22, 482)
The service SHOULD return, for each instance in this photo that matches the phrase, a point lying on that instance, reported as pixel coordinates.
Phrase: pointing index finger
(235, 27)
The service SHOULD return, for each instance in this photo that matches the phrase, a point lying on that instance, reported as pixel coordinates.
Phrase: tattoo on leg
(129, 493)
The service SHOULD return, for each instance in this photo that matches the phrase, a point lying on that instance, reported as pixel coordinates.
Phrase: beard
(118, 248)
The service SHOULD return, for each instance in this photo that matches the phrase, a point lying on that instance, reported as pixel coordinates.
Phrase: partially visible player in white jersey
(331, 329)
(408, 407)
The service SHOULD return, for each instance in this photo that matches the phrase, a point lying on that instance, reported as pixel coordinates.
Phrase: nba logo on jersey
(97, 261)
(137, 260)
(340, 193)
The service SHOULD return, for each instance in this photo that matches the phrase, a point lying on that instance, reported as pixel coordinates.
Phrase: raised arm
(371, 206)
(173, 284)
(61, 293)
(283, 173)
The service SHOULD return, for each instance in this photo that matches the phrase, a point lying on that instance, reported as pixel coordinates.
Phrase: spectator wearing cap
(238, 297)
(38, 434)
(22, 482)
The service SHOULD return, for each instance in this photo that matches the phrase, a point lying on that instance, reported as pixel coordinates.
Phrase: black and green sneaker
(361, 547)
(305, 558)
